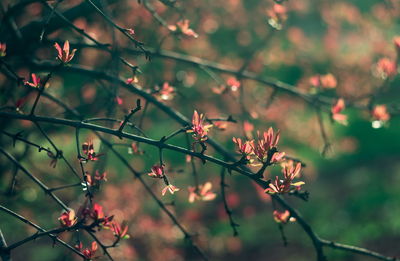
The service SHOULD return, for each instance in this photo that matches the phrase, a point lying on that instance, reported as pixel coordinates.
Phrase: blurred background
(352, 174)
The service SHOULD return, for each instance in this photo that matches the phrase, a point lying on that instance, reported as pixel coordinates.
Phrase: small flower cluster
(264, 149)
(89, 253)
(98, 219)
(88, 150)
(279, 186)
(68, 218)
(96, 214)
(64, 54)
(120, 231)
(199, 129)
(158, 172)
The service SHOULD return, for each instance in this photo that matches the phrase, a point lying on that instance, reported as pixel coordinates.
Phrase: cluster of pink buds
(264, 148)
(244, 148)
(96, 213)
(120, 231)
(266, 143)
(89, 253)
(64, 54)
(199, 129)
(68, 218)
(279, 186)
(157, 171)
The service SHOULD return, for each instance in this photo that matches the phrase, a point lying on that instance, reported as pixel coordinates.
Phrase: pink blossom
(64, 54)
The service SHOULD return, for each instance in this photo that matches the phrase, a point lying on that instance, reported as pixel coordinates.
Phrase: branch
(306, 227)
(36, 180)
(26, 221)
(157, 143)
(226, 207)
(357, 250)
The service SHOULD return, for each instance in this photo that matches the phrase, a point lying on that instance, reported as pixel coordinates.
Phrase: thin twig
(127, 117)
(228, 211)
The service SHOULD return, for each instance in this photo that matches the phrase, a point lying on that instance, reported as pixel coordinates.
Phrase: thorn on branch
(16, 137)
(231, 119)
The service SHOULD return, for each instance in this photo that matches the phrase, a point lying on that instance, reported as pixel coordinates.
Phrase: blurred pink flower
(386, 68)
(336, 110)
(380, 113)
(3, 48)
(203, 192)
(183, 27)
